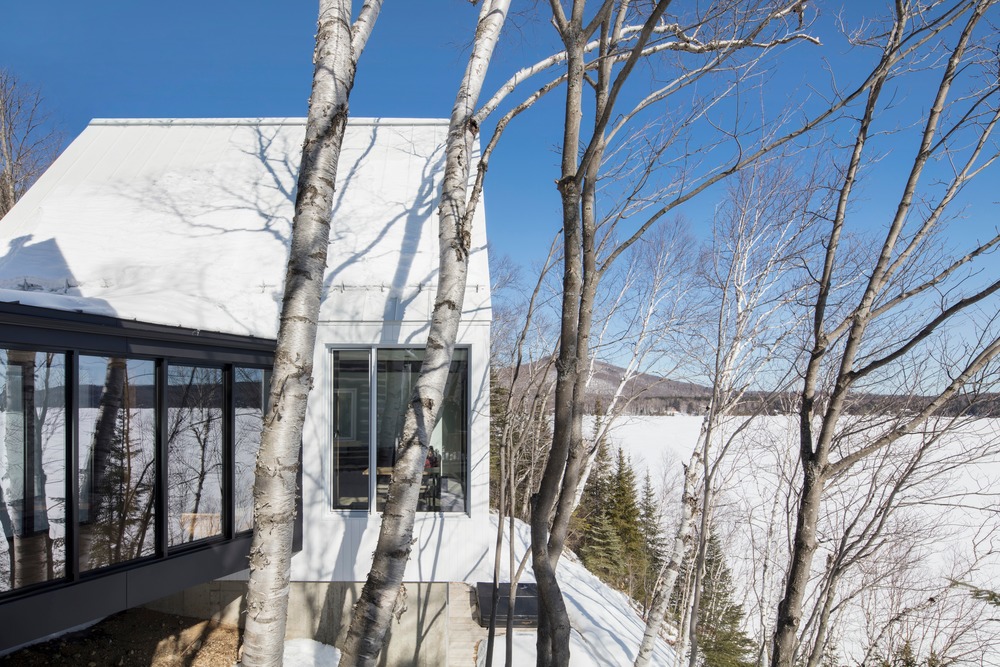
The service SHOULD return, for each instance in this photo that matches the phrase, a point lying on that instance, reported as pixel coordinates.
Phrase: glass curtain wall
(32, 467)
(116, 471)
(117, 466)
(194, 453)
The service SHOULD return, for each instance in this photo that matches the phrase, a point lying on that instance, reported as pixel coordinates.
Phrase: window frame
(372, 508)
(74, 335)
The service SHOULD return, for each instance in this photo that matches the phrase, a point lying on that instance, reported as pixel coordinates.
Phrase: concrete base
(321, 611)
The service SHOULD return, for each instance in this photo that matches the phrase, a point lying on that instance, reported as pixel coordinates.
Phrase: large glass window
(32, 467)
(351, 432)
(117, 466)
(444, 482)
(107, 459)
(194, 453)
(250, 394)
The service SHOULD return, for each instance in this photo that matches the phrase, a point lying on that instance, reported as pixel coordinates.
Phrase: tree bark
(672, 568)
(373, 610)
(338, 47)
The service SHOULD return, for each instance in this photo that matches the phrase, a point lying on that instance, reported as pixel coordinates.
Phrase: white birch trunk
(335, 62)
(373, 611)
(682, 541)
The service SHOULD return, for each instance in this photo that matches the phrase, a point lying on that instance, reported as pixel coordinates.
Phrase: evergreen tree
(649, 522)
(623, 512)
(602, 552)
(498, 422)
(721, 641)
(624, 509)
(594, 501)
(655, 542)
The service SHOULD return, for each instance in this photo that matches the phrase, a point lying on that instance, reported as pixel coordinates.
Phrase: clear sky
(252, 58)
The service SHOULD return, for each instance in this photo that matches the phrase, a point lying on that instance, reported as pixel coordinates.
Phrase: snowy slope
(606, 628)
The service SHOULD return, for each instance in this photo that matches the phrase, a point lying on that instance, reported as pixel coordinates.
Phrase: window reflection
(350, 423)
(32, 467)
(250, 393)
(117, 436)
(194, 453)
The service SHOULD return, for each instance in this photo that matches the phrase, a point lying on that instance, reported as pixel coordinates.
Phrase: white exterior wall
(338, 544)
(186, 223)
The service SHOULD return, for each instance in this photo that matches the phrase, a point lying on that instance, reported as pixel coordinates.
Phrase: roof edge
(263, 121)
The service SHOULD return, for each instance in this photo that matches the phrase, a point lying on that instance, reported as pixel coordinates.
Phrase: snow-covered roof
(187, 223)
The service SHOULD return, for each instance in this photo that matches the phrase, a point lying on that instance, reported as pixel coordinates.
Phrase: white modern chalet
(140, 286)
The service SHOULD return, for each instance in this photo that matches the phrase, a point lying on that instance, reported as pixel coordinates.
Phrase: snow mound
(310, 652)
(606, 629)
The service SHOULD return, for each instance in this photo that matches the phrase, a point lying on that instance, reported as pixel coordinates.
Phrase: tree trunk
(672, 568)
(790, 608)
(373, 610)
(335, 61)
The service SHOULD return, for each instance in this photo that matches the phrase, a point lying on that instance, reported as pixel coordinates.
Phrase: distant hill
(647, 394)
(653, 395)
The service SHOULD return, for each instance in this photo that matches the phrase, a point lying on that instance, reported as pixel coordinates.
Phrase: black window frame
(81, 596)
(373, 350)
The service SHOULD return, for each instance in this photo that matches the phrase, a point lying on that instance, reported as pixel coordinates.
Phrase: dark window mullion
(72, 506)
(228, 452)
(161, 458)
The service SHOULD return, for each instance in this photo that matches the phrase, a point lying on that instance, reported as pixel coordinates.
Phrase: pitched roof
(187, 223)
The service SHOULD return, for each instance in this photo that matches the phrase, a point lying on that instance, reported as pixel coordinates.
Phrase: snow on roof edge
(266, 121)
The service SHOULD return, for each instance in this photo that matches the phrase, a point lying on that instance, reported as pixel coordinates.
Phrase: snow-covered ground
(943, 525)
(606, 628)
(310, 653)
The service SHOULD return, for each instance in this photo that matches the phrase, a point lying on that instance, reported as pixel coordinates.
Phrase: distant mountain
(647, 394)
(653, 395)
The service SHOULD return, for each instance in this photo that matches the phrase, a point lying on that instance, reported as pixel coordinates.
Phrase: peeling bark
(338, 47)
(373, 610)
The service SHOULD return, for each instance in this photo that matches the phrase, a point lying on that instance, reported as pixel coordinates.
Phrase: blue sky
(223, 58)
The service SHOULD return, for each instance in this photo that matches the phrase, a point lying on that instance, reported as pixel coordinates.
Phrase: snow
(945, 524)
(306, 652)
(187, 223)
(606, 627)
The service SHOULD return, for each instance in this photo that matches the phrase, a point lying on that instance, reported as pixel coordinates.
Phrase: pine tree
(721, 641)
(649, 522)
(623, 512)
(593, 502)
(655, 542)
(602, 552)
(498, 422)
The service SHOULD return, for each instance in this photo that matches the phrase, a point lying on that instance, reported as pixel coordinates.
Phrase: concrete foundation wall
(321, 611)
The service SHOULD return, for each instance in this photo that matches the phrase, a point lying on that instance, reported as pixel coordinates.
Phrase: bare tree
(877, 316)
(28, 144)
(373, 610)
(749, 277)
(339, 44)
(602, 48)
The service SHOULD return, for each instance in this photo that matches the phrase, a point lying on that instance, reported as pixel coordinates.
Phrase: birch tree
(28, 144)
(373, 610)
(879, 315)
(339, 45)
(601, 49)
(749, 275)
